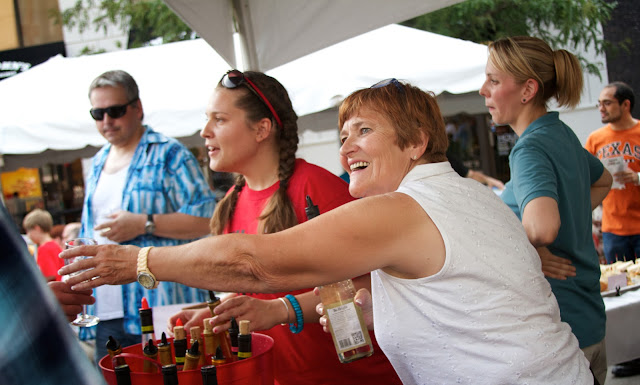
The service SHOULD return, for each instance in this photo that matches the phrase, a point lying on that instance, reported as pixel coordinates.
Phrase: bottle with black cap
(114, 349)
(209, 375)
(192, 357)
(220, 339)
(170, 374)
(233, 337)
(123, 374)
(150, 351)
(244, 340)
(218, 359)
(164, 351)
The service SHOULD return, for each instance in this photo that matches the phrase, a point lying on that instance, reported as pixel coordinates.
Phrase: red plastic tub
(256, 370)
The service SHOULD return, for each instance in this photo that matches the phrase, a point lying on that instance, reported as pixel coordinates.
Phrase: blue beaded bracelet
(297, 327)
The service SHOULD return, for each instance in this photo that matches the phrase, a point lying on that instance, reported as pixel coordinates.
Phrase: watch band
(150, 225)
(143, 267)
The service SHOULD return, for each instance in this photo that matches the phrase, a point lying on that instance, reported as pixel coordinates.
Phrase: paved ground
(611, 380)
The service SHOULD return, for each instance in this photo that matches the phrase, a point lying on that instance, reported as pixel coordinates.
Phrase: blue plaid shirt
(164, 177)
(38, 346)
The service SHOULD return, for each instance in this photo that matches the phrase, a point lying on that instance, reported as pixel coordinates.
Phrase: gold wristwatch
(145, 277)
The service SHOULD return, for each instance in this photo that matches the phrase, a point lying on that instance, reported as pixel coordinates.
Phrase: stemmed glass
(84, 319)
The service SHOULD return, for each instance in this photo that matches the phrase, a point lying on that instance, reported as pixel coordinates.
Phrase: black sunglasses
(114, 112)
(386, 82)
(235, 78)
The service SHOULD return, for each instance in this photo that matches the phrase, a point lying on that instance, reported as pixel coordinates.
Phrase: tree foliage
(144, 20)
(565, 24)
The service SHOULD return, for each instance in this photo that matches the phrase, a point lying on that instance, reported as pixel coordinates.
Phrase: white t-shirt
(107, 199)
(489, 316)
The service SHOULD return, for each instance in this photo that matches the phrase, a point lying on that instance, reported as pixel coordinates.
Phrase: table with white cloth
(623, 325)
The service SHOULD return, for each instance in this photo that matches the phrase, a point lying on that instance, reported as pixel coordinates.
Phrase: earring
(414, 157)
(524, 100)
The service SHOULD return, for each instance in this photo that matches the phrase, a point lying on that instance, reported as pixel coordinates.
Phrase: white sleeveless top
(489, 316)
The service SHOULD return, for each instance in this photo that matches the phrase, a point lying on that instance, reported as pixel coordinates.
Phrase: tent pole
(245, 45)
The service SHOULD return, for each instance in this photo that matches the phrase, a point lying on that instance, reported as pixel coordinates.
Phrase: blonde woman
(555, 183)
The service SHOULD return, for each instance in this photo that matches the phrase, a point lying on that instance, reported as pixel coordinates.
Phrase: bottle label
(346, 326)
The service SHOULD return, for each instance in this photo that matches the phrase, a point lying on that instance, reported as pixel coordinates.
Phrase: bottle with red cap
(146, 322)
(179, 343)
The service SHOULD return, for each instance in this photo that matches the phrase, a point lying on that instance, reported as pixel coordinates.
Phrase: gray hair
(117, 78)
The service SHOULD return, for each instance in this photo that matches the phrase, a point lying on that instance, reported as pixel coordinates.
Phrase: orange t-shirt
(621, 207)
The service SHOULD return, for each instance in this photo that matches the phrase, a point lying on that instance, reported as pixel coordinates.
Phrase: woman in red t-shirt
(252, 131)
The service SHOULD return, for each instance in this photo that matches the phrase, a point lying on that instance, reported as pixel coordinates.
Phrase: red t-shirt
(309, 357)
(48, 259)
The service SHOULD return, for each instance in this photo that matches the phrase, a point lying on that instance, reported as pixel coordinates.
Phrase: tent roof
(427, 60)
(47, 107)
(278, 31)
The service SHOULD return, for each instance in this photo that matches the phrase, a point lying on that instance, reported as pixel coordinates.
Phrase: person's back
(39, 345)
(490, 306)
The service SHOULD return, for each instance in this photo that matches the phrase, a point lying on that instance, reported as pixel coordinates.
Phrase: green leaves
(563, 24)
(145, 20)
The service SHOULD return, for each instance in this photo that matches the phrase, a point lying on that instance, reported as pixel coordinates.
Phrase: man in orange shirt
(617, 145)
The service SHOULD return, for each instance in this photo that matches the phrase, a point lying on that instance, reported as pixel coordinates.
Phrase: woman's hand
(110, 265)
(263, 314)
(71, 301)
(362, 299)
(554, 266)
(189, 318)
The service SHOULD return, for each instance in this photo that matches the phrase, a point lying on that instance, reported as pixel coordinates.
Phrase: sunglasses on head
(114, 112)
(235, 78)
(386, 82)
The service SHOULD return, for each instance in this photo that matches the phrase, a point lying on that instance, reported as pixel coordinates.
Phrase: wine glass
(84, 319)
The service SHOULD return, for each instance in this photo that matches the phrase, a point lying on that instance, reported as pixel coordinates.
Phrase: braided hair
(279, 213)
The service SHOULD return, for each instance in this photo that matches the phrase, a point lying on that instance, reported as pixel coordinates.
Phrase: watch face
(149, 227)
(146, 280)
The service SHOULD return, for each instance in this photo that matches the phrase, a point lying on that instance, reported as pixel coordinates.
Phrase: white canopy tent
(46, 117)
(430, 61)
(270, 33)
